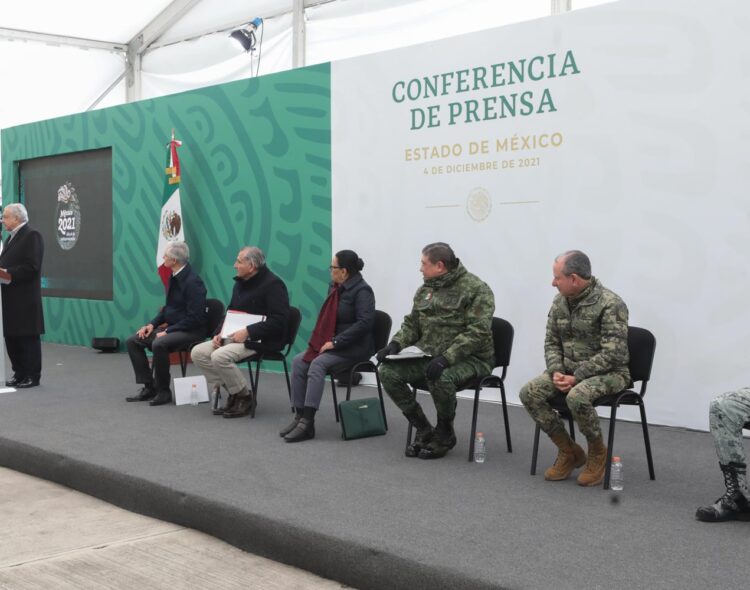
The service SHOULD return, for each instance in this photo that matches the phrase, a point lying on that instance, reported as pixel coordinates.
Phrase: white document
(183, 389)
(238, 320)
(410, 352)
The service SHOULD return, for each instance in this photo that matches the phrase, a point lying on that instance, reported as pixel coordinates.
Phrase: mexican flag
(170, 222)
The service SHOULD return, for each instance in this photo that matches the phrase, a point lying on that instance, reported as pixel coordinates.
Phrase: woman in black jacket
(342, 337)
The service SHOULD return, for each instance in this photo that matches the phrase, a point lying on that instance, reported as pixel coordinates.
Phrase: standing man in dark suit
(181, 321)
(23, 319)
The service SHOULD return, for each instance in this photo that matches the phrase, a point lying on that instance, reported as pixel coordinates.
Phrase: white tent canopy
(58, 58)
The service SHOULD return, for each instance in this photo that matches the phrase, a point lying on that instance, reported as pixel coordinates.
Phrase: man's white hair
(18, 211)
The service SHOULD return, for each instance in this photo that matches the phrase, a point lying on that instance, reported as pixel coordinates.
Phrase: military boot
(424, 431)
(593, 473)
(569, 456)
(443, 440)
(735, 503)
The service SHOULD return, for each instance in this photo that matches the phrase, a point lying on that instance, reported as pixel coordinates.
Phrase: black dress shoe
(162, 398)
(305, 430)
(15, 380)
(26, 383)
(143, 395)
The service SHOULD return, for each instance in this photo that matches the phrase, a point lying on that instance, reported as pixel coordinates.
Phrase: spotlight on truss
(245, 35)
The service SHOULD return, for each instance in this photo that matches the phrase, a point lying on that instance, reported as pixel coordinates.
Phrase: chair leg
(647, 441)
(382, 403)
(183, 362)
(288, 383)
(472, 432)
(349, 385)
(610, 444)
(253, 379)
(217, 397)
(505, 418)
(535, 452)
(408, 437)
(571, 427)
(410, 430)
(335, 400)
(256, 384)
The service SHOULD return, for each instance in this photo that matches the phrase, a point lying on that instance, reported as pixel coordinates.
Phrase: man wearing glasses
(451, 322)
(259, 292)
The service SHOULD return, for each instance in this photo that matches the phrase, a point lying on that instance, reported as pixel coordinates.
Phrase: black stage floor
(359, 511)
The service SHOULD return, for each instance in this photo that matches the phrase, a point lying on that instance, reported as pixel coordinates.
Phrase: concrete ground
(55, 537)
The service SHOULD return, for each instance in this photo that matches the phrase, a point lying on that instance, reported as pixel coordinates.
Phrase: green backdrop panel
(255, 168)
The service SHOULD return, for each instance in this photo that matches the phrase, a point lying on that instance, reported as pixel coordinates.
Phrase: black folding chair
(295, 319)
(641, 347)
(381, 331)
(215, 313)
(502, 337)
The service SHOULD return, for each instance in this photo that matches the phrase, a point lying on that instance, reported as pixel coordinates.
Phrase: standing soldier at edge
(727, 416)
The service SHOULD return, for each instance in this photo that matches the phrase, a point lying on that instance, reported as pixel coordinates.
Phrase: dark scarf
(325, 326)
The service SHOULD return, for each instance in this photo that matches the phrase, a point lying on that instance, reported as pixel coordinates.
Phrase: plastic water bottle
(480, 449)
(616, 477)
(194, 395)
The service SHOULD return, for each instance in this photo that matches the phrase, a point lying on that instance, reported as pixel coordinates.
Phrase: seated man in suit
(259, 292)
(728, 414)
(181, 321)
(586, 351)
(450, 320)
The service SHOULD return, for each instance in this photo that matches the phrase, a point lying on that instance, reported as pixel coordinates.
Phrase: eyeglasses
(335, 267)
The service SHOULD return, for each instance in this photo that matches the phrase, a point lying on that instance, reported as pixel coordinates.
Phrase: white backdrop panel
(650, 180)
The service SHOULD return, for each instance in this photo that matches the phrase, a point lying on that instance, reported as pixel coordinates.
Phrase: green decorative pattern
(255, 168)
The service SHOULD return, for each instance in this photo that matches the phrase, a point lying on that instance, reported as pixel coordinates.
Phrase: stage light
(245, 35)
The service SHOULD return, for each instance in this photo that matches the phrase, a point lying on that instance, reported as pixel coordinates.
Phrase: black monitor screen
(69, 200)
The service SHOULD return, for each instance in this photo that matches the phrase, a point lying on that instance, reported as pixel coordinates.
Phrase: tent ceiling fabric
(104, 21)
(43, 80)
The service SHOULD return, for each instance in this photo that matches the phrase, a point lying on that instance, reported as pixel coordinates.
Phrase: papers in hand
(410, 352)
(239, 320)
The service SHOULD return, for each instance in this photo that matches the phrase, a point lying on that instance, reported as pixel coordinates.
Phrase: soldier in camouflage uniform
(586, 350)
(451, 320)
(727, 415)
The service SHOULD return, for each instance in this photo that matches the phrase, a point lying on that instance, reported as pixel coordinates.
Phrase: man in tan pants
(259, 292)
